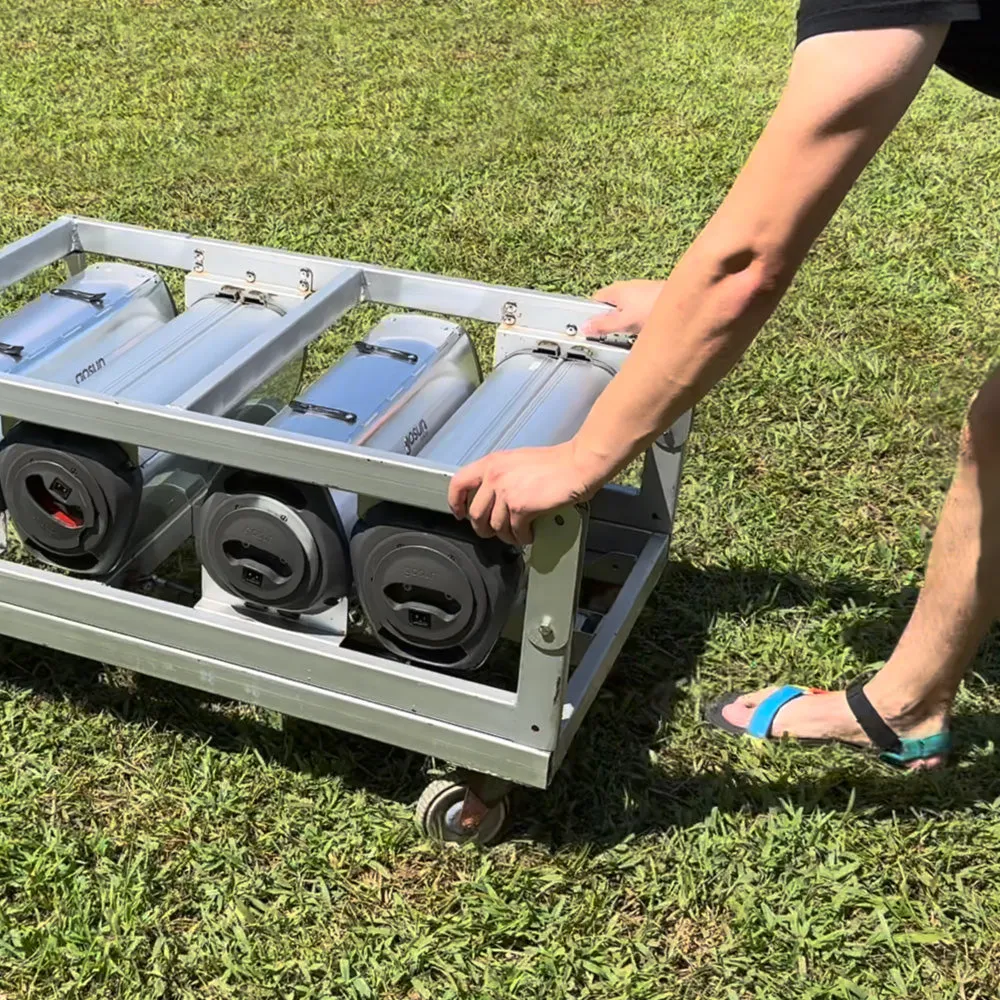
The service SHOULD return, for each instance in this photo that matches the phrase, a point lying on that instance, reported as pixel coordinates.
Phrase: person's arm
(845, 93)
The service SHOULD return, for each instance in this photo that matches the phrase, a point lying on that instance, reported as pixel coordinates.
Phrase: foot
(827, 716)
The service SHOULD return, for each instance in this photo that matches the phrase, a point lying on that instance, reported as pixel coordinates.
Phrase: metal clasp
(363, 347)
(297, 406)
(91, 298)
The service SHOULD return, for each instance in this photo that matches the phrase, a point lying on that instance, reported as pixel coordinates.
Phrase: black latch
(12, 350)
(297, 406)
(91, 298)
(390, 352)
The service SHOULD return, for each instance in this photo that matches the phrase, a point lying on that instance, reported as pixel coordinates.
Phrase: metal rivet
(545, 630)
(560, 520)
(251, 277)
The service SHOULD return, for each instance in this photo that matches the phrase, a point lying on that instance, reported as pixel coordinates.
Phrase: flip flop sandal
(890, 747)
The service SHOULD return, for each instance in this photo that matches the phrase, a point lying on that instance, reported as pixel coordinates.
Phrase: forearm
(727, 285)
(709, 312)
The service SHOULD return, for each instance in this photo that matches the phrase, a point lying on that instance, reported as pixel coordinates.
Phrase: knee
(981, 434)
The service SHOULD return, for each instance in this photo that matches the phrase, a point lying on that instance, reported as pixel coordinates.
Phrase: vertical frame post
(554, 570)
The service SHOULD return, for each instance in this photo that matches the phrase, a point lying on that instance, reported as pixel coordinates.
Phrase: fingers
(611, 322)
(604, 323)
(477, 493)
(463, 484)
(520, 527)
(481, 510)
(500, 521)
(608, 294)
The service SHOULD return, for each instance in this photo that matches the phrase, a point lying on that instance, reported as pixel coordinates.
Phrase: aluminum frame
(521, 736)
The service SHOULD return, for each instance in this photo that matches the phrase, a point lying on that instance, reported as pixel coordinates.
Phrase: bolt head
(545, 630)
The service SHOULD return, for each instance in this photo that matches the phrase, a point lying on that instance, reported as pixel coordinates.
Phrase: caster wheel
(439, 810)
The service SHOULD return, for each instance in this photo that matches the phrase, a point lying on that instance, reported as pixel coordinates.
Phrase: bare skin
(846, 93)
(914, 691)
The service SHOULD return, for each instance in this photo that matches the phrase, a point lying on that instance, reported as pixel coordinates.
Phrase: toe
(741, 710)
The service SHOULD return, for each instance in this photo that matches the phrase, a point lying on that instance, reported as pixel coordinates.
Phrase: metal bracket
(76, 262)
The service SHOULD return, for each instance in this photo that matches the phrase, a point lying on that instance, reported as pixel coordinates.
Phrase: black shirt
(971, 51)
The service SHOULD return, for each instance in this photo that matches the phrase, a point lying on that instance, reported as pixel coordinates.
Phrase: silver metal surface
(549, 615)
(186, 350)
(198, 286)
(276, 544)
(314, 676)
(406, 289)
(513, 339)
(401, 383)
(467, 745)
(37, 250)
(94, 318)
(530, 399)
(263, 356)
(226, 442)
(331, 624)
(136, 357)
(615, 628)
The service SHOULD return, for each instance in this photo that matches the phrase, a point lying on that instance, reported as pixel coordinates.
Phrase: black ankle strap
(875, 727)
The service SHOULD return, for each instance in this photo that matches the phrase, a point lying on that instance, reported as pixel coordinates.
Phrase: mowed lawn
(154, 843)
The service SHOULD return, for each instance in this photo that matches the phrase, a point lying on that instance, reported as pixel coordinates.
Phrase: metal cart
(616, 547)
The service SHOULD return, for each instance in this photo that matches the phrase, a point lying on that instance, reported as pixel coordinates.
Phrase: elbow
(749, 278)
(763, 271)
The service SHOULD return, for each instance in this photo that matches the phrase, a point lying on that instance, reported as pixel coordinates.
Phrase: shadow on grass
(610, 786)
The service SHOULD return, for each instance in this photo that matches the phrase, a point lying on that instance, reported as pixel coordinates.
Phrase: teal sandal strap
(894, 749)
(910, 750)
(763, 717)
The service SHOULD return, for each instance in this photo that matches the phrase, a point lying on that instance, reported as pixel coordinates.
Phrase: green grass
(154, 843)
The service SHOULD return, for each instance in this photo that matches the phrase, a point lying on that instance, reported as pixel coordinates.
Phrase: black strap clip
(91, 298)
(390, 352)
(297, 406)
(12, 351)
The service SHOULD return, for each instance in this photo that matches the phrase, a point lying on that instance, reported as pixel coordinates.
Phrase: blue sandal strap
(938, 745)
(763, 718)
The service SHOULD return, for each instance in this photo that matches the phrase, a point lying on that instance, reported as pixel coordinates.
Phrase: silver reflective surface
(165, 365)
(530, 399)
(397, 399)
(66, 339)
